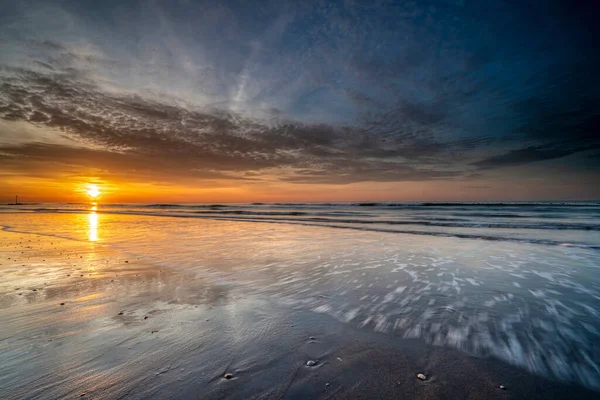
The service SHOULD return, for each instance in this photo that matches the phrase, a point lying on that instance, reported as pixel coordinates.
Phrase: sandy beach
(84, 313)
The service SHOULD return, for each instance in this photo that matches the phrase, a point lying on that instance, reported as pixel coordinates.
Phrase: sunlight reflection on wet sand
(93, 231)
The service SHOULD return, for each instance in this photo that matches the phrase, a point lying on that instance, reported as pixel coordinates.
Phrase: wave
(280, 213)
(159, 205)
(535, 206)
(463, 220)
(362, 225)
(426, 233)
(510, 204)
(241, 212)
(346, 217)
(56, 210)
(446, 204)
(314, 217)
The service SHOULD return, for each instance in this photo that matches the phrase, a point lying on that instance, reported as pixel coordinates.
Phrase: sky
(182, 100)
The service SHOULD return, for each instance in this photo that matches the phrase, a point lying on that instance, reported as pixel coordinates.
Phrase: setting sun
(93, 191)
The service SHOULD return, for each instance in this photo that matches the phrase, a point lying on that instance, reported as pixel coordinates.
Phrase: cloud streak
(191, 139)
(335, 94)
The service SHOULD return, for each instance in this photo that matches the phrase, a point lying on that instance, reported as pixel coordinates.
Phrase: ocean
(518, 282)
(574, 224)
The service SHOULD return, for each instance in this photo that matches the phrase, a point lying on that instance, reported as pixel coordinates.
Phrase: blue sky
(466, 93)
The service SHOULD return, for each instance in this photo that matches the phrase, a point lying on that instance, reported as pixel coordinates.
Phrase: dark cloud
(140, 134)
(46, 44)
(329, 93)
(46, 160)
(338, 173)
(533, 154)
(360, 99)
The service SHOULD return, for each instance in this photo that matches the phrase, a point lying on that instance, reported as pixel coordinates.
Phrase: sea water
(515, 281)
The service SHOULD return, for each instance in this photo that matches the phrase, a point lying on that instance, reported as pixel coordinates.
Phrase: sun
(92, 191)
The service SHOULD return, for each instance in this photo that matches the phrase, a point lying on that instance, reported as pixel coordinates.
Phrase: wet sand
(131, 329)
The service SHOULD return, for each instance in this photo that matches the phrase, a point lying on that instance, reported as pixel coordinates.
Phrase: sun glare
(93, 191)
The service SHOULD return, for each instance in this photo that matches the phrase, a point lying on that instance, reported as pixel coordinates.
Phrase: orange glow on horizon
(79, 189)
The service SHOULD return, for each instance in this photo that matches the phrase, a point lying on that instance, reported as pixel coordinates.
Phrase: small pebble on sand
(62, 304)
(312, 338)
(146, 317)
(311, 363)
(421, 376)
(121, 313)
(228, 376)
(502, 387)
